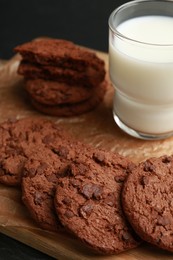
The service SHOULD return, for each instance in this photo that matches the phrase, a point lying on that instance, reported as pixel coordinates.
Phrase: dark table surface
(82, 21)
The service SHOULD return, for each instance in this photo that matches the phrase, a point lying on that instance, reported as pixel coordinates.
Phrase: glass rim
(122, 36)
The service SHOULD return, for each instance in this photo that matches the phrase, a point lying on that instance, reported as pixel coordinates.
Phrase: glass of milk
(141, 67)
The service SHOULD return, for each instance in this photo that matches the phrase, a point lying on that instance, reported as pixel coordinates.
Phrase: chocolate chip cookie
(40, 178)
(87, 202)
(74, 109)
(55, 93)
(62, 78)
(88, 78)
(62, 53)
(147, 200)
(40, 175)
(18, 140)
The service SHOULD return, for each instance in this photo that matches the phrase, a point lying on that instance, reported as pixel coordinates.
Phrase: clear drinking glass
(141, 69)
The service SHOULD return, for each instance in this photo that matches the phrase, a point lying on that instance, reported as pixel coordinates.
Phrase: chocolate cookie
(87, 202)
(19, 139)
(60, 53)
(55, 93)
(148, 199)
(76, 108)
(89, 77)
(40, 179)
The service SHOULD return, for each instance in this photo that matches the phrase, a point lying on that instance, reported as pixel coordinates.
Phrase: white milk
(142, 73)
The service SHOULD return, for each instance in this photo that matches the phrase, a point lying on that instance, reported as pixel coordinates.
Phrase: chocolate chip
(100, 158)
(98, 190)
(64, 172)
(163, 220)
(37, 198)
(82, 169)
(119, 179)
(87, 190)
(14, 150)
(144, 181)
(69, 214)
(86, 210)
(31, 172)
(130, 167)
(90, 190)
(52, 178)
(166, 159)
(126, 236)
(61, 151)
(48, 139)
(148, 167)
(110, 227)
(67, 201)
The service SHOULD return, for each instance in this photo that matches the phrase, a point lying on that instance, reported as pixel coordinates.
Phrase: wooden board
(96, 128)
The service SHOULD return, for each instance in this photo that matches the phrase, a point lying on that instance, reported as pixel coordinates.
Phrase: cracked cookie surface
(147, 200)
(54, 93)
(41, 174)
(74, 109)
(87, 202)
(18, 140)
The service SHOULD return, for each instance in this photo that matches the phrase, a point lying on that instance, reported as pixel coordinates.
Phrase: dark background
(83, 21)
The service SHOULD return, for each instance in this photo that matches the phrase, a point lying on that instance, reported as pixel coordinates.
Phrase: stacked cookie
(92, 193)
(62, 79)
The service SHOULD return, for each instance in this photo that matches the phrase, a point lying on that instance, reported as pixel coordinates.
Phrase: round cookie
(40, 178)
(87, 78)
(19, 139)
(54, 93)
(67, 110)
(38, 192)
(61, 53)
(87, 202)
(147, 200)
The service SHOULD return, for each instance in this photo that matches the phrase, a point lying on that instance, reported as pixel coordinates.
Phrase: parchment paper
(96, 128)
